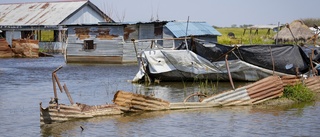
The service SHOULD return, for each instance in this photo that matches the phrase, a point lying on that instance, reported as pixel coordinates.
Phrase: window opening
(88, 44)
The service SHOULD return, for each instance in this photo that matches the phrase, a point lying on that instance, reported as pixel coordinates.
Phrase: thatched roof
(299, 30)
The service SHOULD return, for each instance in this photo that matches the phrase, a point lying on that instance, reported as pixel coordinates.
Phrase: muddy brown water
(24, 83)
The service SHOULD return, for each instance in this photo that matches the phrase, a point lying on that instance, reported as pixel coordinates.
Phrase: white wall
(12, 35)
(85, 15)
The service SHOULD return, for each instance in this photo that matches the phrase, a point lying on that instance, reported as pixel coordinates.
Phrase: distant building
(44, 21)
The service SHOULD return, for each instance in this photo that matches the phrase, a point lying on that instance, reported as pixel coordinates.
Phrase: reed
(207, 87)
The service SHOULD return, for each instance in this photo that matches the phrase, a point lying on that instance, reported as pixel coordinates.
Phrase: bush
(299, 93)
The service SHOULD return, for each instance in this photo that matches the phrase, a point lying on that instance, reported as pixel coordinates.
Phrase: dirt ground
(281, 102)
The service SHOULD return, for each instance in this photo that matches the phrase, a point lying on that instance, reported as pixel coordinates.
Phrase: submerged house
(44, 21)
(121, 42)
(109, 42)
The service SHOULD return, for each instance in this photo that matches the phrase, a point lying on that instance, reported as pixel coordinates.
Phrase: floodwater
(24, 83)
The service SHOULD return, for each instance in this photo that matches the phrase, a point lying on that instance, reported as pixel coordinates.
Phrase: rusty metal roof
(41, 13)
(194, 28)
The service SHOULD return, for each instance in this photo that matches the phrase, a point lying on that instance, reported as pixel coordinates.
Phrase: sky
(221, 13)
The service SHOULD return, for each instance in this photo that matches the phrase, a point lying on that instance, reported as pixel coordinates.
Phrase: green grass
(261, 38)
(299, 93)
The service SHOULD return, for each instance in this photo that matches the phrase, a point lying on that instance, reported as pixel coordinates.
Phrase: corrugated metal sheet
(40, 13)
(262, 90)
(194, 28)
(313, 83)
(58, 113)
(135, 102)
(290, 80)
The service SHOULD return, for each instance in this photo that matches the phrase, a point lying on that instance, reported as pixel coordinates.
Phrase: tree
(310, 22)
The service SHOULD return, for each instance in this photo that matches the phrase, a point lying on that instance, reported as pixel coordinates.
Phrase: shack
(44, 21)
(196, 29)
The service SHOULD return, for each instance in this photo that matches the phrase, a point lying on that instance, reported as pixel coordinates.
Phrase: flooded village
(68, 69)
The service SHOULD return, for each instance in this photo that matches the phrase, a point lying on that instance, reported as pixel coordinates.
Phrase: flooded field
(24, 83)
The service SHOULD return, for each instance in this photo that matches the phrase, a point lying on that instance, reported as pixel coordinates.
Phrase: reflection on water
(26, 82)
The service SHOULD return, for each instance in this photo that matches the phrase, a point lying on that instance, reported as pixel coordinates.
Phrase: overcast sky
(221, 13)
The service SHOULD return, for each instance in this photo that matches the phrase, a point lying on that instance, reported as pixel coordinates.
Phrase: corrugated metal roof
(194, 28)
(38, 13)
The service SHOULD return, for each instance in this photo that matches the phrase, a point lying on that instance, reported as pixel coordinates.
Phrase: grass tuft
(299, 93)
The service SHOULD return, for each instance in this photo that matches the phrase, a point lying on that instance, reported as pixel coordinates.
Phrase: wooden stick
(54, 84)
(68, 94)
(58, 82)
(54, 87)
(230, 77)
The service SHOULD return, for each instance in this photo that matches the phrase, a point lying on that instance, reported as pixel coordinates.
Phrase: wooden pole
(294, 38)
(187, 34)
(311, 57)
(277, 33)
(141, 61)
(58, 82)
(54, 85)
(230, 77)
(135, 48)
(68, 94)
(272, 60)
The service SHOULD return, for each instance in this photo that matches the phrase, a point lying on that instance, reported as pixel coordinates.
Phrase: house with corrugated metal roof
(44, 21)
(122, 42)
(196, 29)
